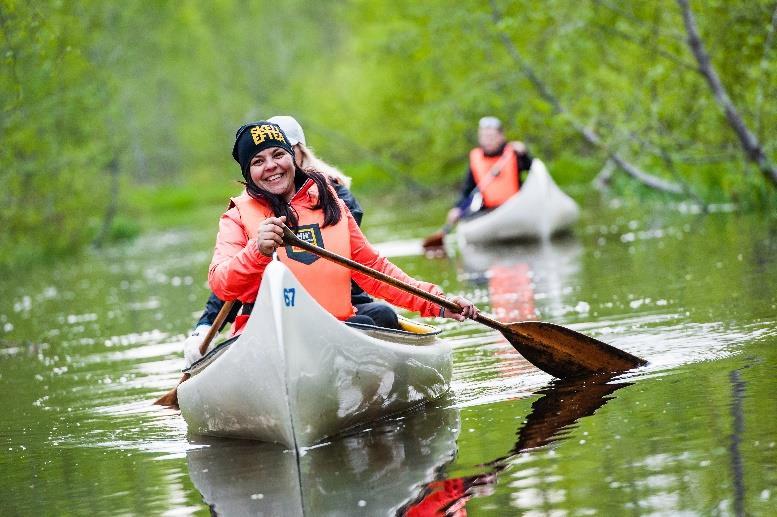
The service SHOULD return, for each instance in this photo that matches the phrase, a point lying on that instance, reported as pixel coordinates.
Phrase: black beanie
(256, 137)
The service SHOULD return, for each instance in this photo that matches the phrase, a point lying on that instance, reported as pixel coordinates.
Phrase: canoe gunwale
(211, 356)
(398, 336)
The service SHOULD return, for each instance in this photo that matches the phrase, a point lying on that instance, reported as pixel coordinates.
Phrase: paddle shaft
(554, 349)
(217, 323)
(291, 238)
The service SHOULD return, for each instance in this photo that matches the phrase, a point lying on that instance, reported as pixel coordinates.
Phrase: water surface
(86, 344)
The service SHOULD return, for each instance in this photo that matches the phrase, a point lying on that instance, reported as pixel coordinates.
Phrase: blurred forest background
(119, 116)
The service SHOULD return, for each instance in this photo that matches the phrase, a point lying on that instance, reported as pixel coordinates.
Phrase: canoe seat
(417, 328)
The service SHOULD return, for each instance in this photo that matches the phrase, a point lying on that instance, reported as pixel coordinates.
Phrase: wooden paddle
(552, 348)
(171, 397)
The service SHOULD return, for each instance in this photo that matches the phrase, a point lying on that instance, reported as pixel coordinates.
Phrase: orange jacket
(237, 266)
(495, 188)
(328, 283)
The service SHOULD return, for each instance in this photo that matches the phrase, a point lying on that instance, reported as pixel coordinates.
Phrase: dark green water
(85, 345)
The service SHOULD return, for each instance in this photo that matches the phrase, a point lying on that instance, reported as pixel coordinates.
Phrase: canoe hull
(538, 211)
(298, 375)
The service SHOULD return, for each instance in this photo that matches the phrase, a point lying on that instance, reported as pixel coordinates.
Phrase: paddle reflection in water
(374, 472)
(563, 403)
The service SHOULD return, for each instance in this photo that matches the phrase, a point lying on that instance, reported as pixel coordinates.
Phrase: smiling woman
(278, 191)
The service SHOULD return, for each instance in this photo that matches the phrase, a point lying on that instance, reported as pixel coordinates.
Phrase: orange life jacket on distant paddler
(328, 283)
(495, 176)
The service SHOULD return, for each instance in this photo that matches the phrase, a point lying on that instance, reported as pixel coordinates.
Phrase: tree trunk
(749, 141)
(759, 97)
(113, 204)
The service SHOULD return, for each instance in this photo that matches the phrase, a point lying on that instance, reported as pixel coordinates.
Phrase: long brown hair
(326, 199)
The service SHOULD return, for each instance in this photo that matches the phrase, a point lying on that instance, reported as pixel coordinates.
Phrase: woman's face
(273, 170)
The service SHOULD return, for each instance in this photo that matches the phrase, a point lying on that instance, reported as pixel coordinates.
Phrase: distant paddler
(493, 176)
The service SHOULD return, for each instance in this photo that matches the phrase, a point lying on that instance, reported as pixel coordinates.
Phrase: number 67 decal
(288, 296)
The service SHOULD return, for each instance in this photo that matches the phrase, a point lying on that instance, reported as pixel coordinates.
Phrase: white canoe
(538, 211)
(297, 375)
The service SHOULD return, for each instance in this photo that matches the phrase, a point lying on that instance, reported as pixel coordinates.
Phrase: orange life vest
(328, 283)
(495, 176)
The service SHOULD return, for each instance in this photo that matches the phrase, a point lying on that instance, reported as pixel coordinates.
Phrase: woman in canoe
(380, 312)
(279, 192)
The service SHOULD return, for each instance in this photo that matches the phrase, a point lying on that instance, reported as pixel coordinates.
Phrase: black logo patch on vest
(310, 233)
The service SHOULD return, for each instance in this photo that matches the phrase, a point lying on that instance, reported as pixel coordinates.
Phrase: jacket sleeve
(237, 266)
(524, 164)
(363, 253)
(467, 189)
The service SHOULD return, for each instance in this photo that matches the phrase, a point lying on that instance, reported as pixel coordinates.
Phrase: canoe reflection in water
(525, 277)
(373, 472)
(561, 405)
(378, 471)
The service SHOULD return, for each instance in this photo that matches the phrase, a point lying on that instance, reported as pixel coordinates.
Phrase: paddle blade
(434, 245)
(435, 240)
(564, 353)
(170, 399)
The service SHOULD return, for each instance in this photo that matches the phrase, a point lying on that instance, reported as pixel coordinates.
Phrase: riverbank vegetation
(119, 117)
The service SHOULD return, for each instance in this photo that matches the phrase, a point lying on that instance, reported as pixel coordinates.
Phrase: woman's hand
(270, 235)
(468, 309)
(191, 347)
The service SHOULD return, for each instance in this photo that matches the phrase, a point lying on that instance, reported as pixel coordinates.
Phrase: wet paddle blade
(170, 399)
(564, 353)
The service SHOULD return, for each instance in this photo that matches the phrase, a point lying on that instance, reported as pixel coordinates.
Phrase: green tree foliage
(151, 93)
(624, 70)
(52, 156)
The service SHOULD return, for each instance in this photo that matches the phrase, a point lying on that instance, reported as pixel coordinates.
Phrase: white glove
(191, 347)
